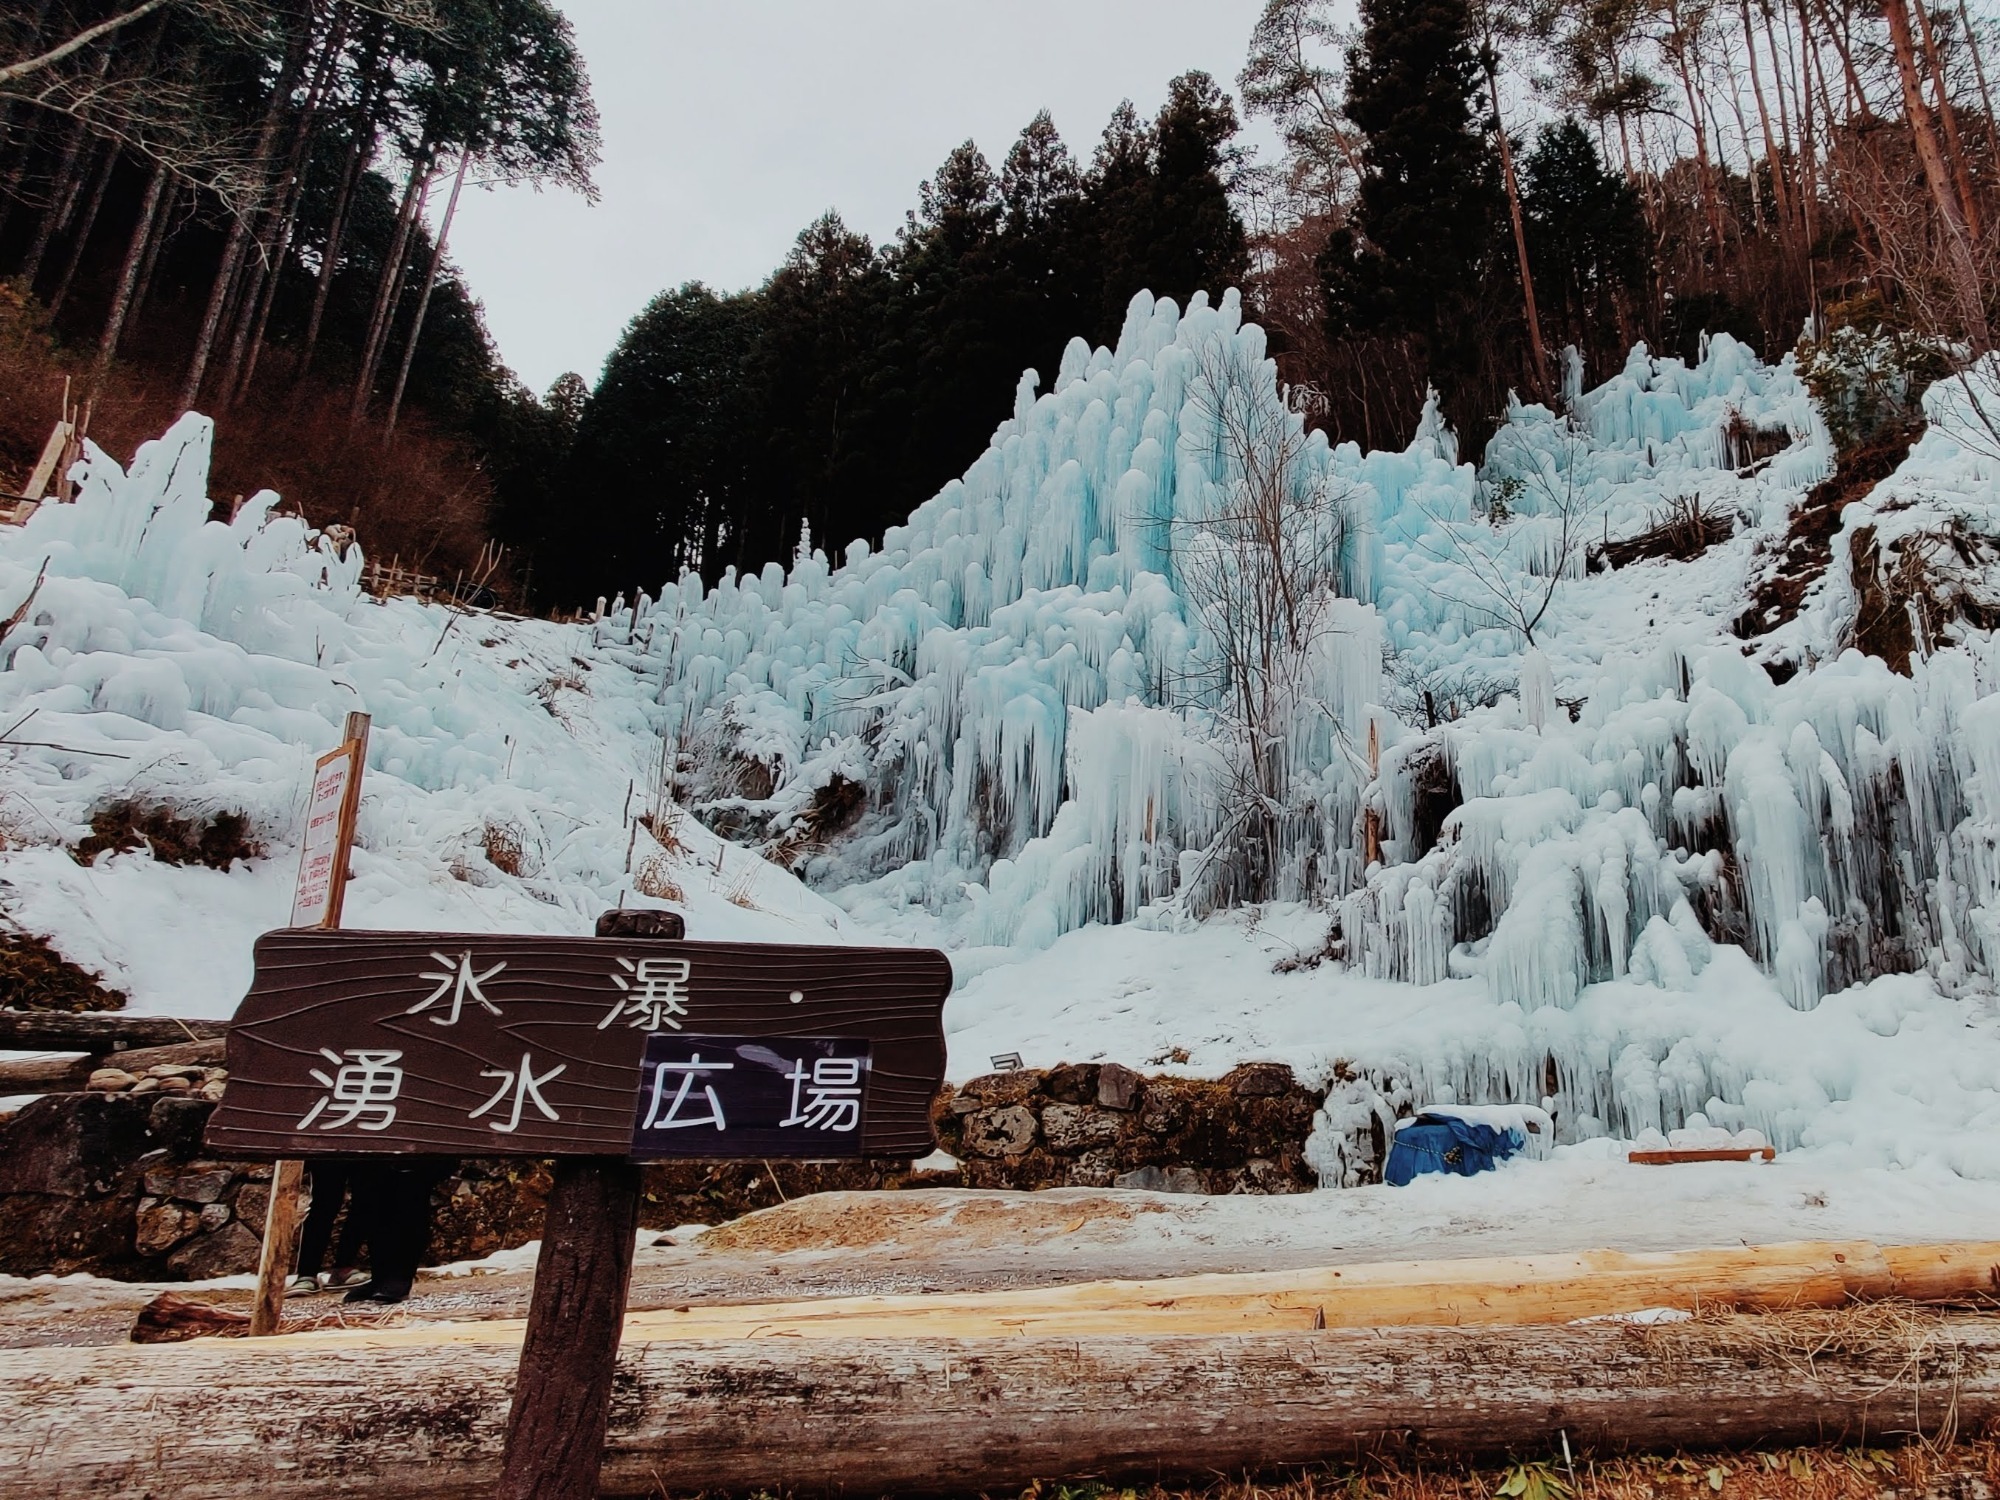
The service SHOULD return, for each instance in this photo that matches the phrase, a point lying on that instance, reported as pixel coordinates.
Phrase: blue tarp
(1439, 1143)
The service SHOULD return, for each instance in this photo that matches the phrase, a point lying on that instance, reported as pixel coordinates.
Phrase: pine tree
(1586, 237)
(1429, 228)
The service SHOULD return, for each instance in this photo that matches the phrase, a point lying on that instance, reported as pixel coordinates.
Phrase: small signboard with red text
(329, 832)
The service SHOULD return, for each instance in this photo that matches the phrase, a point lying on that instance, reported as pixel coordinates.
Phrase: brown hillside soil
(1781, 577)
(424, 501)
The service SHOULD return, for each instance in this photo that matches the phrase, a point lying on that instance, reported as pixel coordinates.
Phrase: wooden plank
(1690, 1154)
(216, 1420)
(1515, 1289)
(100, 1032)
(37, 487)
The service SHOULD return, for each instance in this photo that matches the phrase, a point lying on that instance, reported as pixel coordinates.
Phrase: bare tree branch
(11, 71)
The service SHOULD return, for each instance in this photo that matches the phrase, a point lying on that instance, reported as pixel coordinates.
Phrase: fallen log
(45, 1075)
(98, 1032)
(284, 1419)
(1514, 1289)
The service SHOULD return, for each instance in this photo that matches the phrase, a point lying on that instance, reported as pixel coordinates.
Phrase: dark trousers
(395, 1199)
(331, 1180)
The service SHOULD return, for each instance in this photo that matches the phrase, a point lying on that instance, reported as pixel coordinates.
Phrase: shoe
(302, 1286)
(376, 1292)
(365, 1292)
(342, 1277)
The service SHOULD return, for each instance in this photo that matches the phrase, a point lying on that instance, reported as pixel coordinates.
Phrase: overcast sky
(731, 124)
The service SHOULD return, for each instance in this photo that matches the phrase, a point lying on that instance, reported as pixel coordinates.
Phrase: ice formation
(172, 659)
(1618, 872)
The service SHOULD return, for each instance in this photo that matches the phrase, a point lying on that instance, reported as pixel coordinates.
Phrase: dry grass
(33, 976)
(655, 878)
(1959, 1471)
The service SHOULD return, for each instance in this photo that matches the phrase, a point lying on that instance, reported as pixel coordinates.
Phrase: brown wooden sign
(496, 1045)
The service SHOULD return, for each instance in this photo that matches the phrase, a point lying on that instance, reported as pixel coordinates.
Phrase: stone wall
(1103, 1125)
(118, 1184)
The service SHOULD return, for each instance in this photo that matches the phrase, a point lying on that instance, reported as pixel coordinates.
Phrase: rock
(164, 1071)
(1096, 1169)
(1002, 1088)
(213, 1216)
(1164, 1117)
(109, 1081)
(1162, 1180)
(178, 1121)
(176, 1085)
(211, 1092)
(194, 1186)
(253, 1203)
(164, 1226)
(1118, 1087)
(1070, 1128)
(1072, 1083)
(230, 1251)
(1259, 1080)
(1008, 1131)
(146, 1086)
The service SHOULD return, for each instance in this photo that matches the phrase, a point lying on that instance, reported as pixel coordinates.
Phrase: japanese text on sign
(733, 1096)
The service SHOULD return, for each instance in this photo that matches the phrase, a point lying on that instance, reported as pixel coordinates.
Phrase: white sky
(729, 125)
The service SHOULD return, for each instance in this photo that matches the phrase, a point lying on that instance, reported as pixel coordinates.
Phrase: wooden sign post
(317, 896)
(599, 1052)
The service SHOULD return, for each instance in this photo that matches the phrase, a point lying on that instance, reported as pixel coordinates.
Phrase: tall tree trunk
(62, 189)
(81, 239)
(1963, 270)
(274, 243)
(1772, 157)
(8, 195)
(1948, 116)
(1844, 47)
(424, 301)
(1808, 163)
(128, 273)
(163, 231)
(1535, 348)
(1978, 66)
(390, 284)
(1677, 50)
(329, 259)
(239, 224)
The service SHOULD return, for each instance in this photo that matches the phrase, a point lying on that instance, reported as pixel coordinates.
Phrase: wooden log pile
(230, 1418)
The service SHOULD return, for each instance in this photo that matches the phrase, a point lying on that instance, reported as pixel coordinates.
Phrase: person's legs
(400, 1235)
(367, 1219)
(329, 1187)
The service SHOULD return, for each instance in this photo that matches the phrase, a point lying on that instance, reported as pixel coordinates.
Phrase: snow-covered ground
(1004, 681)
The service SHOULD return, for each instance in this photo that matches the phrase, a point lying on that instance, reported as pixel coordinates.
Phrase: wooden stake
(562, 1394)
(281, 1216)
(569, 1351)
(274, 1261)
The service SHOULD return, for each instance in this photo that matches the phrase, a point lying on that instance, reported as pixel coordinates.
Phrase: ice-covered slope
(170, 659)
(1625, 871)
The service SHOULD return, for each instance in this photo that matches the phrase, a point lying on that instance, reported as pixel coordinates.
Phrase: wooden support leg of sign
(281, 1238)
(562, 1395)
(282, 1216)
